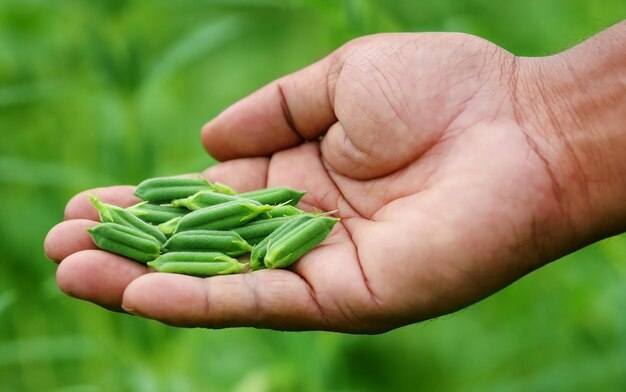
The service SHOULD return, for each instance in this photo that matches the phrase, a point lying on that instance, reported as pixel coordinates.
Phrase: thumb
(360, 147)
(382, 125)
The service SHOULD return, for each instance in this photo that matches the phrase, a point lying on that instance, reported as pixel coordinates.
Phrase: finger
(68, 237)
(386, 122)
(243, 175)
(276, 299)
(278, 116)
(80, 206)
(98, 276)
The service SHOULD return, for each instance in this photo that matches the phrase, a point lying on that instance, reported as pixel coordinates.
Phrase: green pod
(284, 249)
(257, 256)
(156, 214)
(114, 214)
(197, 263)
(227, 242)
(168, 228)
(255, 231)
(275, 196)
(223, 216)
(125, 241)
(204, 199)
(165, 189)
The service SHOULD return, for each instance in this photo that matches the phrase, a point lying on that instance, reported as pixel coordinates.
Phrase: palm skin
(417, 140)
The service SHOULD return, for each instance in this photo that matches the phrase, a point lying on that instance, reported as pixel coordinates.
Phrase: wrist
(573, 104)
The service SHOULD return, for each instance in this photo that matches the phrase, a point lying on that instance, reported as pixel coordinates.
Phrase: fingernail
(131, 310)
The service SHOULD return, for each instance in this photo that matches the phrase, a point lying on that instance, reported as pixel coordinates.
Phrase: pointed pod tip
(254, 265)
(264, 208)
(178, 203)
(269, 263)
(94, 200)
(238, 267)
(100, 206)
(325, 213)
(224, 258)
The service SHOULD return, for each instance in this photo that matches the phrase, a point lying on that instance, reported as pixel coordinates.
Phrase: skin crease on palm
(448, 190)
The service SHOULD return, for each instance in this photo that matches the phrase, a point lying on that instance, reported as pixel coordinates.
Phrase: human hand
(450, 180)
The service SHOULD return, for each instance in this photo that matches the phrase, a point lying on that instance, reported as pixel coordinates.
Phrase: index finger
(280, 115)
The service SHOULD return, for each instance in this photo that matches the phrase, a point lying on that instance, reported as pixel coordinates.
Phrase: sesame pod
(114, 214)
(204, 199)
(165, 189)
(156, 214)
(284, 249)
(223, 216)
(257, 256)
(196, 263)
(168, 228)
(227, 242)
(255, 231)
(125, 241)
(275, 196)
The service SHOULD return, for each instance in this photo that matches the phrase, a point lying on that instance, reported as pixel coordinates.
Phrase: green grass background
(96, 93)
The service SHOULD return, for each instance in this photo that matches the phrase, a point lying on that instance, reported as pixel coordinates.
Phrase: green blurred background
(97, 93)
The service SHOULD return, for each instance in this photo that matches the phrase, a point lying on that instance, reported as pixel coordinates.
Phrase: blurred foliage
(100, 92)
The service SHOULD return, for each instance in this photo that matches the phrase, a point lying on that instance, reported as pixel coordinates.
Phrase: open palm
(418, 142)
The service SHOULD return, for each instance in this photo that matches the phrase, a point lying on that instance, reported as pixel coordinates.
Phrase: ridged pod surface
(227, 242)
(257, 256)
(287, 247)
(166, 189)
(125, 241)
(197, 263)
(155, 213)
(224, 216)
(255, 231)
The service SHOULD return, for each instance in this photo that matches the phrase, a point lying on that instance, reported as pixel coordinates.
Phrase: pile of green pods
(188, 225)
